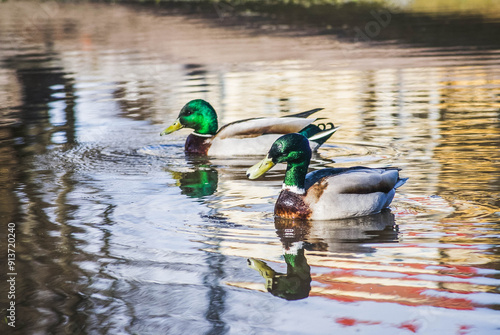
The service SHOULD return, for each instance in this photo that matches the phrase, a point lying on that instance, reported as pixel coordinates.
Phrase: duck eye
(188, 112)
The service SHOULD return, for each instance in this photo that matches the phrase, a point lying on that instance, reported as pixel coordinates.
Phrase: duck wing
(354, 180)
(262, 126)
(254, 127)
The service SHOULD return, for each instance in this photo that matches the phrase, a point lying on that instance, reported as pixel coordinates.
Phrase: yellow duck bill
(260, 168)
(264, 270)
(174, 127)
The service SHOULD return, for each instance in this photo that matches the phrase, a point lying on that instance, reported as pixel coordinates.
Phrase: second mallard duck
(245, 137)
(332, 193)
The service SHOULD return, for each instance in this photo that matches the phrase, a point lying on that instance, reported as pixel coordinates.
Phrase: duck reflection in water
(199, 181)
(295, 284)
(346, 235)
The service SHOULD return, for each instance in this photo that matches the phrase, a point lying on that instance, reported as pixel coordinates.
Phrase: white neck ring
(293, 189)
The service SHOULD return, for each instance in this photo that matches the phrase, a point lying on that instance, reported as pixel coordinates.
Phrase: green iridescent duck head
(198, 115)
(292, 149)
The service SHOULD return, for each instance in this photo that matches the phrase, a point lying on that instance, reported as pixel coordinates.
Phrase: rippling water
(117, 231)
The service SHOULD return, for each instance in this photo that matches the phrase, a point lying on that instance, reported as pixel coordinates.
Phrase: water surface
(119, 232)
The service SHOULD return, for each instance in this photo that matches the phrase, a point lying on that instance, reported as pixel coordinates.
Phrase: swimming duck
(245, 137)
(326, 194)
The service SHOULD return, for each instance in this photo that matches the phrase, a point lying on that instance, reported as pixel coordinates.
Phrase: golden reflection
(467, 142)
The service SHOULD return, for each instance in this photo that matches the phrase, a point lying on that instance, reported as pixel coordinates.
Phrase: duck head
(292, 149)
(198, 115)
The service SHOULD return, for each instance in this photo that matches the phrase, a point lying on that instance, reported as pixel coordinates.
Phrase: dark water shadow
(349, 21)
(46, 246)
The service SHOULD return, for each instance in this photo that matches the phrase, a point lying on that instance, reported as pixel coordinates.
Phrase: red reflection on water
(410, 285)
(404, 295)
(464, 329)
(410, 325)
(353, 322)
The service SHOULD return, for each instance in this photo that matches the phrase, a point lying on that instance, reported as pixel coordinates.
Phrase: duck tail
(400, 182)
(319, 133)
(305, 114)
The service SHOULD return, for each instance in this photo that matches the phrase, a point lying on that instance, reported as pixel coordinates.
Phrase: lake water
(118, 232)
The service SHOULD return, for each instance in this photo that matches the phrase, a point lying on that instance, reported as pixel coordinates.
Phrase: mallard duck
(332, 193)
(245, 137)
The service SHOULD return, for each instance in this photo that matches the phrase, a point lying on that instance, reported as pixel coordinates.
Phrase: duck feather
(262, 126)
(356, 179)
